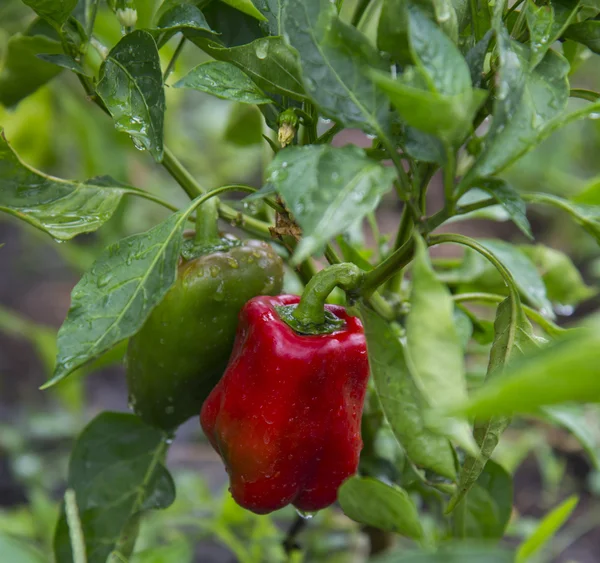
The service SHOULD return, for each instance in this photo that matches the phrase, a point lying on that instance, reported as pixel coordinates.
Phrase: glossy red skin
(285, 416)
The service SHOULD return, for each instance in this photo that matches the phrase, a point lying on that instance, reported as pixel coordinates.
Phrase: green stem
(311, 309)
(91, 20)
(152, 197)
(548, 326)
(588, 95)
(75, 528)
(329, 134)
(403, 235)
(474, 19)
(434, 240)
(207, 217)
(174, 58)
(443, 215)
(449, 175)
(181, 175)
(397, 160)
(384, 271)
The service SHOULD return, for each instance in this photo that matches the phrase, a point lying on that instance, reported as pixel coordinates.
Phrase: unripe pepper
(180, 353)
(285, 417)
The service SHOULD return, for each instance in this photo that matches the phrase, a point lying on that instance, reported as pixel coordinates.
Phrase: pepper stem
(310, 312)
(207, 229)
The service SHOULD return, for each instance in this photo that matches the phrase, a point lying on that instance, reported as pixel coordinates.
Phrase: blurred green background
(61, 133)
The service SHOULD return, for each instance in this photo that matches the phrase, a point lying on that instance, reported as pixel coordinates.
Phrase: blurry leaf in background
(22, 73)
(586, 33)
(116, 472)
(327, 189)
(244, 126)
(179, 551)
(546, 530)
(527, 278)
(451, 553)
(224, 80)
(131, 86)
(488, 505)
(15, 550)
(64, 61)
(564, 285)
(387, 507)
(562, 371)
(582, 422)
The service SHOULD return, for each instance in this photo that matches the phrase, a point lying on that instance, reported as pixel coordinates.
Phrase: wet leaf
(225, 81)
(113, 299)
(333, 57)
(55, 11)
(387, 507)
(270, 63)
(58, 207)
(393, 30)
(246, 6)
(327, 189)
(116, 470)
(21, 71)
(131, 87)
(587, 33)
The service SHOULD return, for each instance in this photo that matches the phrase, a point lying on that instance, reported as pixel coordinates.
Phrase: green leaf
(116, 470)
(437, 58)
(565, 370)
(540, 22)
(58, 207)
(588, 216)
(476, 58)
(179, 551)
(327, 189)
(447, 117)
(351, 253)
(587, 33)
(546, 529)
(333, 56)
(55, 11)
(564, 284)
(113, 299)
(575, 419)
(387, 507)
(424, 147)
(434, 346)
(269, 62)
(244, 126)
(527, 108)
(451, 553)
(247, 7)
(393, 30)
(435, 95)
(433, 343)
(401, 400)
(528, 280)
(22, 72)
(131, 87)
(510, 199)
(513, 335)
(464, 327)
(224, 80)
(18, 551)
(180, 16)
(488, 505)
(233, 27)
(63, 61)
(271, 10)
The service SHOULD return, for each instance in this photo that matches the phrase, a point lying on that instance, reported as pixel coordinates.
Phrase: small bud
(288, 123)
(127, 17)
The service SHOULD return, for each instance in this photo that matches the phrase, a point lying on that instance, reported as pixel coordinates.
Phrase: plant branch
(174, 58)
(443, 215)
(384, 271)
(289, 544)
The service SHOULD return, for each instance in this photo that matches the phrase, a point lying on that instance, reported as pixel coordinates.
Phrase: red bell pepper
(286, 415)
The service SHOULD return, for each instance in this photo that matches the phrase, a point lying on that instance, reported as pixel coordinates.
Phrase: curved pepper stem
(207, 229)
(310, 316)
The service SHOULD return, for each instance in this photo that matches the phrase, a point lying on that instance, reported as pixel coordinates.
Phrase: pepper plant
(437, 89)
